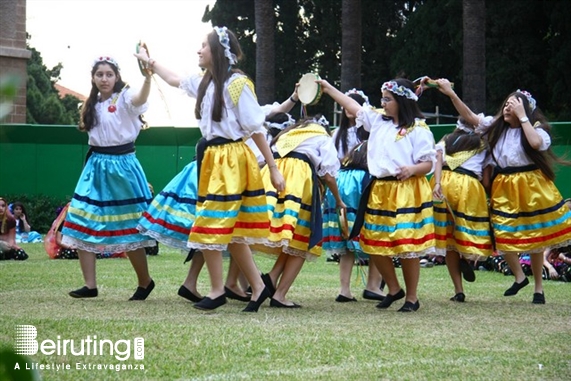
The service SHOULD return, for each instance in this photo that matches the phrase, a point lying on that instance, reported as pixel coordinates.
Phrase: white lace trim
(221, 247)
(414, 254)
(540, 250)
(284, 246)
(117, 248)
(164, 239)
(469, 256)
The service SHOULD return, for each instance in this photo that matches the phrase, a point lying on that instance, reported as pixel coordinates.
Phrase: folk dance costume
(396, 217)
(112, 192)
(527, 211)
(302, 155)
(465, 228)
(352, 141)
(351, 180)
(171, 215)
(231, 203)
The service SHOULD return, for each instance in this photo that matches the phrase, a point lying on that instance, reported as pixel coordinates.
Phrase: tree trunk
(474, 54)
(265, 51)
(351, 46)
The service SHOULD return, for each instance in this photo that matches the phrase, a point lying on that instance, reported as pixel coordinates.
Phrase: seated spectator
(8, 247)
(24, 232)
(557, 264)
(57, 250)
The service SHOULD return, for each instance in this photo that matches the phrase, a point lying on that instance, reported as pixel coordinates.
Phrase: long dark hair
(460, 140)
(357, 157)
(344, 124)
(221, 70)
(408, 108)
(14, 206)
(88, 117)
(543, 159)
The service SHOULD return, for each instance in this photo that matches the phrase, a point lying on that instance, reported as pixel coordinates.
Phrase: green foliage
(41, 210)
(43, 103)
(8, 88)
(8, 360)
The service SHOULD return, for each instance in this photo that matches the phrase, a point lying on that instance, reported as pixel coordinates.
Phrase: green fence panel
(47, 160)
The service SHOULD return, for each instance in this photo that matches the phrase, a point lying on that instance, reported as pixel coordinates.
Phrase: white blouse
(352, 141)
(387, 153)
(473, 164)
(321, 152)
(238, 121)
(119, 127)
(509, 152)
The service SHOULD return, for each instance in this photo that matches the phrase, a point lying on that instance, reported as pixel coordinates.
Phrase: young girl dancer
(305, 153)
(527, 212)
(231, 209)
(396, 207)
(112, 191)
(352, 153)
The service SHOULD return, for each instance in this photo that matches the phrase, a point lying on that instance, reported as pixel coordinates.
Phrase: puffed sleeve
(545, 139)
(127, 97)
(249, 112)
(424, 147)
(484, 123)
(329, 162)
(368, 116)
(190, 85)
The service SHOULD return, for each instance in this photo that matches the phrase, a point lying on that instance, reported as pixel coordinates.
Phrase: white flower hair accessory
(281, 126)
(360, 93)
(402, 91)
(463, 127)
(225, 42)
(322, 121)
(107, 59)
(530, 99)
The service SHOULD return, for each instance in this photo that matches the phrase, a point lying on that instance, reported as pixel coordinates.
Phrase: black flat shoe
(409, 307)
(516, 287)
(253, 306)
(538, 298)
(84, 292)
(268, 283)
(275, 303)
(343, 299)
(142, 293)
(389, 299)
(188, 295)
(372, 296)
(232, 295)
(208, 304)
(467, 270)
(459, 297)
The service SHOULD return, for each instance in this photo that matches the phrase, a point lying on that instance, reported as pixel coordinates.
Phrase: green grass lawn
(490, 337)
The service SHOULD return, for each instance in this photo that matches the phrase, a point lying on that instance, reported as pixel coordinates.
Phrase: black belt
(511, 170)
(123, 149)
(316, 223)
(461, 170)
(360, 216)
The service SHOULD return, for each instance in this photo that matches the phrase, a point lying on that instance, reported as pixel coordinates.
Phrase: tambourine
(145, 70)
(343, 225)
(309, 92)
(433, 83)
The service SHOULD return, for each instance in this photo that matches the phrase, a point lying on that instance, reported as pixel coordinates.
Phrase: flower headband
(280, 126)
(105, 59)
(530, 99)
(360, 93)
(225, 42)
(402, 91)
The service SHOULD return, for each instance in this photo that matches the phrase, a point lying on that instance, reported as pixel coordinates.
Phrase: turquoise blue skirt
(171, 215)
(350, 184)
(111, 195)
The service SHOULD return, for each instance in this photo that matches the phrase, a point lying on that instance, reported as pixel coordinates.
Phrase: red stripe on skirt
(399, 242)
(104, 233)
(440, 237)
(533, 240)
(165, 224)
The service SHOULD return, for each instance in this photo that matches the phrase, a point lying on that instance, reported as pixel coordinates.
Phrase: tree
(43, 104)
(265, 53)
(351, 45)
(474, 54)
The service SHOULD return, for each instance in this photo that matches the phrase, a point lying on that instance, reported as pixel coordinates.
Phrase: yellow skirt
(467, 232)
(528, 213)
(399, 220)
(231, 205)
(290, 210)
